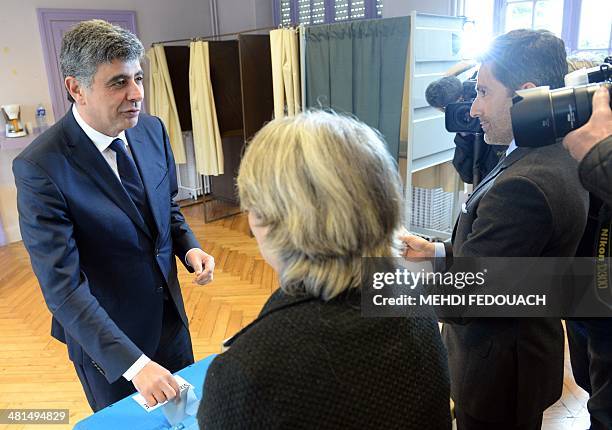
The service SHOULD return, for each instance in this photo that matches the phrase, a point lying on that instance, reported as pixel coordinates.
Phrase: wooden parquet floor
(34, 368)
(35, 371)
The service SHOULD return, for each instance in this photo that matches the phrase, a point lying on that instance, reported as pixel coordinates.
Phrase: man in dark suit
(95, 198)
(506, 372)
(590, 340)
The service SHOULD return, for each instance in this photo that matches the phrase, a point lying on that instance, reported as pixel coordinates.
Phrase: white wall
(23, 77)
(239, 15)
(22, 70)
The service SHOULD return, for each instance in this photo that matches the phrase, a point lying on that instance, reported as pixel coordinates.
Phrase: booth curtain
(358, 67)
(206, 137)
(161, 100)
(285, 72)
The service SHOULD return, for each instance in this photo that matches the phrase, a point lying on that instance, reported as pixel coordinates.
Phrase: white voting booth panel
(435, 46)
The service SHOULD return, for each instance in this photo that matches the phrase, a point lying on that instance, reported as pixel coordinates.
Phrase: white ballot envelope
(176, 407)
(178, 410)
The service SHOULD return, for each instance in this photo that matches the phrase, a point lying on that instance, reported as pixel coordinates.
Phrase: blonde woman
(322, 192)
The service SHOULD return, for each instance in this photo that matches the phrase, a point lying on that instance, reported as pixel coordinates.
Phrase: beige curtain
(206, 136)
(285, 72)
(161, 100)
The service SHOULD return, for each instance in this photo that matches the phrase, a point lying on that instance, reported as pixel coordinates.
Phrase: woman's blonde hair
(328, 191)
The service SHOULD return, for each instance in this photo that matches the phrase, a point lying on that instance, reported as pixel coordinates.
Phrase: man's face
(113, 101)
(492, 107)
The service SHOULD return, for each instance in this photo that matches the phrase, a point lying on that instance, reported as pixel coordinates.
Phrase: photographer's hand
(598, 128)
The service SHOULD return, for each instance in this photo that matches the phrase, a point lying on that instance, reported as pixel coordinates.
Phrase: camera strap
(603, 268)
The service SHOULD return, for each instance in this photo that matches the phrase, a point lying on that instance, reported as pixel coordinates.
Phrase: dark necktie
(130, 178)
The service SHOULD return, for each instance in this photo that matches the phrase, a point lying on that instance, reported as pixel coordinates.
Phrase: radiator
(190, 183)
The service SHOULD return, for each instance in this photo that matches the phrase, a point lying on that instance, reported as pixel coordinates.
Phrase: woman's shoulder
(291, 324)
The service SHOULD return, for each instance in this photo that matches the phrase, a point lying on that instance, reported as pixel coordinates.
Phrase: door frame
(46, 19)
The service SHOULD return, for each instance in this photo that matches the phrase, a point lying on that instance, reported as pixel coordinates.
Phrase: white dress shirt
(102, 142)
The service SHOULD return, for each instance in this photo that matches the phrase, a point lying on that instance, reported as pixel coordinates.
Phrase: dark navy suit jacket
(102, 271)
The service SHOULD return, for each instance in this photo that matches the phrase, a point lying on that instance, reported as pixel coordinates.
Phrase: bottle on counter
(41, 119)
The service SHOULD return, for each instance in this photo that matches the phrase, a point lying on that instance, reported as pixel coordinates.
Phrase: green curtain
(358, 67)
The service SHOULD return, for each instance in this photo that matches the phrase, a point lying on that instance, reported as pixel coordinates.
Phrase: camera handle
(476, 160)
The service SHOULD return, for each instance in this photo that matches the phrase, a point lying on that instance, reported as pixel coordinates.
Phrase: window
(594, 21)
(479, 30)
(284, 12)
(541, 14)
(311, 12)
(584, 25)
(293, 12)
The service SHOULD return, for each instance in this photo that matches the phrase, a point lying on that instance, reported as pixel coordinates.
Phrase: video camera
(540, 116)
(455, 98)
(457, 117)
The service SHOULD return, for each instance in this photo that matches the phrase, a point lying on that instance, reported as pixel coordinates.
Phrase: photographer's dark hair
(521, 56)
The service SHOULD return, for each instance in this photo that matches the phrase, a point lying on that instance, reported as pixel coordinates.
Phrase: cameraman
(463, 160)
(473, 162)
(590, 340)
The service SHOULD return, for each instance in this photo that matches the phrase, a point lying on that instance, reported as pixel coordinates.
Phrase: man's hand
(203, 265)
(598, 127)
(155, 384)
(415, 247)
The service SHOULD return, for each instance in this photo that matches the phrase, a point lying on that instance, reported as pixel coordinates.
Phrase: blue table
(129, 415)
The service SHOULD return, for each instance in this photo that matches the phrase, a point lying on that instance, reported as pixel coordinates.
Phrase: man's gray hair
(95, 42)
